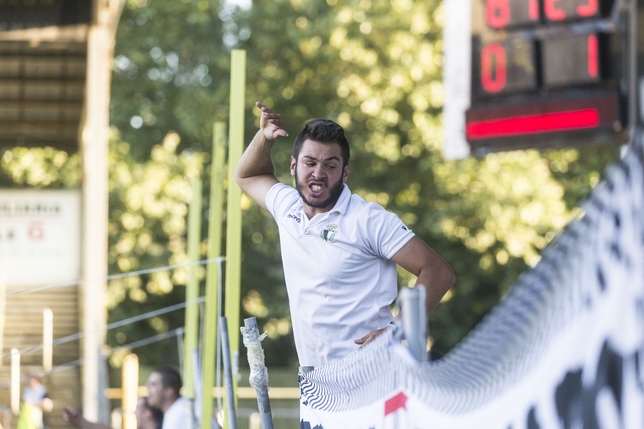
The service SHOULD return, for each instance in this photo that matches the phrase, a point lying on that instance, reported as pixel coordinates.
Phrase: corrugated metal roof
(42, 85)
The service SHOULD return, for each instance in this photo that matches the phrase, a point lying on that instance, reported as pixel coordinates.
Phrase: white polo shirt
(178, 416)
(339, 274)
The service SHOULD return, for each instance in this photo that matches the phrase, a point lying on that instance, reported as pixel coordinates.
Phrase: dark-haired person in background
(339, 252)
(164, 392)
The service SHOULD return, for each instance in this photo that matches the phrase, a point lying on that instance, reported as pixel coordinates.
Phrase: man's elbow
(241, 178)
(450, 277)
(443, 278)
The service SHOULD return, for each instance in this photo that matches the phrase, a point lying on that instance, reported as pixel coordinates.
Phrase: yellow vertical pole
(234, 213)
(215, 219)
(192, 289)
(130, 389)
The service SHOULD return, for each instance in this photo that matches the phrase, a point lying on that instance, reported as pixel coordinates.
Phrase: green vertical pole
(234, 213)
(192, 289)
(215, 219)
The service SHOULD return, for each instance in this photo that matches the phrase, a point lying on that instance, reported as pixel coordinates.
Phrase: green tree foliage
(148, 205)
(147, 229)
(170, 81)
(171, 72)
(40, 167)
(374, 66)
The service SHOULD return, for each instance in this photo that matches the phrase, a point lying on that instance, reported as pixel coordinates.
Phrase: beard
(335, 191)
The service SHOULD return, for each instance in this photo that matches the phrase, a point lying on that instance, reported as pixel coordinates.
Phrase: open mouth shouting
(317, 194)
(316, 189)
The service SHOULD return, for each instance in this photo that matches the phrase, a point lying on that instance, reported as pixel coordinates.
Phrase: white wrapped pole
(414, 321)
(258, 373)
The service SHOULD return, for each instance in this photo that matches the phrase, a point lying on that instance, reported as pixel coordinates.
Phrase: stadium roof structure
(42, 86)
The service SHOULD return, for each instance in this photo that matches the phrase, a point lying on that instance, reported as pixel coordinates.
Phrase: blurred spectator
(35, 401)
(164, 385)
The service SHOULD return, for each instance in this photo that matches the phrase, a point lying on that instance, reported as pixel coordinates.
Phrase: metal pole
(414, 322)
(198, 387)
(230, 421)
(258, 373)
(180, 341)
(218, 364)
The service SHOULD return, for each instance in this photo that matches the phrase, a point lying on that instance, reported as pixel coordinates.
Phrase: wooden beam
(35, 36)
(53, 105)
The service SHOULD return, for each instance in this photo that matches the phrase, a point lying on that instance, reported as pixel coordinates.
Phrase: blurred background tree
(374, 66)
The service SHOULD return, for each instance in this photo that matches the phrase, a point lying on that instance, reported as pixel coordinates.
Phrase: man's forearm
(256, 160)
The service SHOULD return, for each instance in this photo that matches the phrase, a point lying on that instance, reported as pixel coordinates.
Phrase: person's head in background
(164, 387)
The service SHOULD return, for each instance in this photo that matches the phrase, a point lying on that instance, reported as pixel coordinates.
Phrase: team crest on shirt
(329, 231)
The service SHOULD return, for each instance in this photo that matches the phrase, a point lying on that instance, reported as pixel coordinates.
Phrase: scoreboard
(549, 73)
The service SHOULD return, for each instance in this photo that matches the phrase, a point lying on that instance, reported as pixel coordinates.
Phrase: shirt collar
(343, 202)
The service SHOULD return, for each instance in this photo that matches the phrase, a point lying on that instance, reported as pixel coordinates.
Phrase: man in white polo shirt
(164, 387)
(339, 252)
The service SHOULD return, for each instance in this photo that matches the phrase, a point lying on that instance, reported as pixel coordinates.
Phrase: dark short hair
(157, 414)
(323, 131)
(170, 378)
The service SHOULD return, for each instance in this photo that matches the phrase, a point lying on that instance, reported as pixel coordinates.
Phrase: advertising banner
(39, 237)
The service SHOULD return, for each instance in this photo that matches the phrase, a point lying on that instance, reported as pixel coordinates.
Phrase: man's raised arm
(255, 173)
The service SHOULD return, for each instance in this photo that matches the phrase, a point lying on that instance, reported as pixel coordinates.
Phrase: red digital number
(502, 13)
(497, 13)
(493, 67)
(588, 9)
(555, 12)
(533, 10)
(593, 61)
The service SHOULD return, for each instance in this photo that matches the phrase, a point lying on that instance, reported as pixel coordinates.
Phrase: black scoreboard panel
(576, 59)
(25, 14)
(506, 66)
(547, 73)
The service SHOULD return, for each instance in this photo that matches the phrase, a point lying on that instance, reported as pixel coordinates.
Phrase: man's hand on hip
(369, 337)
